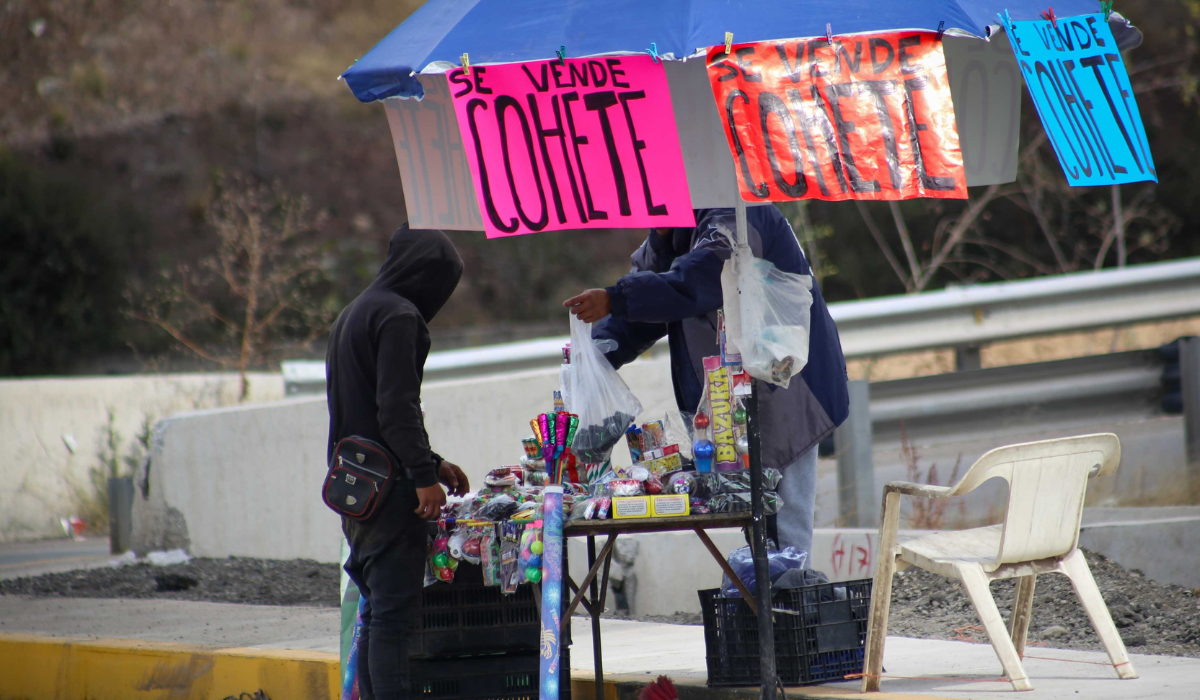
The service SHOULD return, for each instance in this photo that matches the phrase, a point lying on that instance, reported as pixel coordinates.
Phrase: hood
(423, 267)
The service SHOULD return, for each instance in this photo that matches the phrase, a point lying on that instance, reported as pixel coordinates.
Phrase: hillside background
(121, 118)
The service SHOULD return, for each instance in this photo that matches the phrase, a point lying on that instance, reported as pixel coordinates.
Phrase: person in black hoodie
(373, 371)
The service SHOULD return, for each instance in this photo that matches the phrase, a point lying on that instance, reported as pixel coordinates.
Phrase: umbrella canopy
(506, 31)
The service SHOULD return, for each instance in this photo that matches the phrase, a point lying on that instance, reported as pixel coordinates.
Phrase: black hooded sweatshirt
(377, 350)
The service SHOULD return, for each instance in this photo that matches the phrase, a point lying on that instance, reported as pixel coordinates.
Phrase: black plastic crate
(488, 677)
(820, 631)
(467, 617)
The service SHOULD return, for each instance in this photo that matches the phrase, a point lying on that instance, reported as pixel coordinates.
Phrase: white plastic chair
(1047, 482)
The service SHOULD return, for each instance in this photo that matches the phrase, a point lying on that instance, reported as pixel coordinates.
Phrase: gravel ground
(1153, 618)
(232, 580)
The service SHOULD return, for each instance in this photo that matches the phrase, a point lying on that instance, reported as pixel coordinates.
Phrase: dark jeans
(387, 562)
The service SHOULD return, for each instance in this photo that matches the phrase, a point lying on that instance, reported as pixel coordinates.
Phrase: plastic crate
(467, 617)
(819, 634)
(489, 677)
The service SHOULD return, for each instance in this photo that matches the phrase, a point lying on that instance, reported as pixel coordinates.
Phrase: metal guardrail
(1094, 379)
(971, 315)
(1008, 310)
(300, 376)
(1017, 399)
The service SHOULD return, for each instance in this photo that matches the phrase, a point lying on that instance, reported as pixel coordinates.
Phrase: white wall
(38, 472)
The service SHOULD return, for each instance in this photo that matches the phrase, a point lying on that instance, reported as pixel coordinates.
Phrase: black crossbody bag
(360, 477)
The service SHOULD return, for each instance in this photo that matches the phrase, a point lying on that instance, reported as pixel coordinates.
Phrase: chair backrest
(1047, 481)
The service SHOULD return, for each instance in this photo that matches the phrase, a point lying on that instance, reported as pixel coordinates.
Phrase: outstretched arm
(691, 286)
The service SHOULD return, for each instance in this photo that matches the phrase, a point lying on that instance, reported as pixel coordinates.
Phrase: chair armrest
(924, 490)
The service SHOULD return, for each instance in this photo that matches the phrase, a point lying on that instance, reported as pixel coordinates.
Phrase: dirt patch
(233, 580)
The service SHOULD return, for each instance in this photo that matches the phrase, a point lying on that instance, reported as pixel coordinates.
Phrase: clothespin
(466, 64)
(1005, 19)
(562, 54)
(653, 51)
(728, 43)
(941, 29)
(829, 34)
(1106, 8)
(1049, 15)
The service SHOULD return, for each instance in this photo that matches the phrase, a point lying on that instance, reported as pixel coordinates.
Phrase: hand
(591, 306)
(454, 478)
(430, 502)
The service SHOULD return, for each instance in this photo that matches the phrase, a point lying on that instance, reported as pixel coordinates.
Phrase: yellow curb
(35, 667)
(38, 667)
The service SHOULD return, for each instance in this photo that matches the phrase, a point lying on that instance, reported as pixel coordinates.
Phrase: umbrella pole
(762, 576)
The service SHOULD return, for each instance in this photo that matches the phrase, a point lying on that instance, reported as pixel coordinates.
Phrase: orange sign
(866, 117)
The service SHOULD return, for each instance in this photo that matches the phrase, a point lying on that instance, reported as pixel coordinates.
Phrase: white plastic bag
(768, 321)
(599, 396)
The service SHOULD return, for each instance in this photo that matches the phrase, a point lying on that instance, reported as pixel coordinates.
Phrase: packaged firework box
(510, 550)
(489, 554)
(720, 403)
(654, 435)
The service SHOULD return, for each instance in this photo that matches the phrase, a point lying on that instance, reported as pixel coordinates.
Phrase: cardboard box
(664, 506)
(631, 507)
(665, 464)
(670, 505)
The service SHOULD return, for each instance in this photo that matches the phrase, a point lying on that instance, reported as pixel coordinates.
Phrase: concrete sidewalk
(634, 652)
(638, 651)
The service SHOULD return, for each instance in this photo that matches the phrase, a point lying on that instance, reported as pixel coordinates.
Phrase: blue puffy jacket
(674, 290)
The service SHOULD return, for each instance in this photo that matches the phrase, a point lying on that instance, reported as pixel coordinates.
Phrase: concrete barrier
(1158, 541)
(51, 430)
(245, 481)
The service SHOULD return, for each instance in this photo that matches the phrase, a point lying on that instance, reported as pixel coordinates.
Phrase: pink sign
(585, 143)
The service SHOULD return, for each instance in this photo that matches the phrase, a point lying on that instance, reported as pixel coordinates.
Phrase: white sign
(438, 191)
(985, 85)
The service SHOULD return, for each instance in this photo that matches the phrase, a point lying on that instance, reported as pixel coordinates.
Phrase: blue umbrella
(506, 31)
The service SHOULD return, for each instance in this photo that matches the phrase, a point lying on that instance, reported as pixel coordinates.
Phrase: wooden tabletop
(582, 528)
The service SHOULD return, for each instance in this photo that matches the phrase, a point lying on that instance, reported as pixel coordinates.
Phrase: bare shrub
(259, 294)
(925, 513)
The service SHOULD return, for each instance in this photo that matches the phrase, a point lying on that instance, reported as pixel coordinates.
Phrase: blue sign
(1075, 74)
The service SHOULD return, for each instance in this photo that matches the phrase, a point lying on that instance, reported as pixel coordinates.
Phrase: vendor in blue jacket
(674, 290)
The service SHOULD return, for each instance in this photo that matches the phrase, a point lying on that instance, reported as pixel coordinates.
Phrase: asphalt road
(47, 556)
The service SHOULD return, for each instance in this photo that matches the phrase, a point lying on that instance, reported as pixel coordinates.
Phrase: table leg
(596, 610)
(587, 604)
(604, 578)
(587, 580)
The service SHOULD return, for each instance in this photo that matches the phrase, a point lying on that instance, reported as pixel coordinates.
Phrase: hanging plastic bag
(767, 314)
(599, 396)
